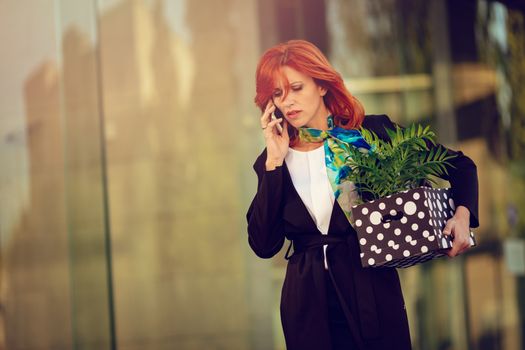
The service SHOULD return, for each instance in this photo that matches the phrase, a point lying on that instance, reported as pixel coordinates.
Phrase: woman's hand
(276, 144)
(459, 227)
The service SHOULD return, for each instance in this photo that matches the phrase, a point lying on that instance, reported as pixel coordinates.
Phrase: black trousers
(339, 331)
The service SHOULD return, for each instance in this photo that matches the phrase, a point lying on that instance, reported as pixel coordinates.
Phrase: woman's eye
(277, 93)
(297, 88)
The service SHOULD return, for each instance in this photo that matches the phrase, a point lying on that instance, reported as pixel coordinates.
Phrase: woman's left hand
(459, 227)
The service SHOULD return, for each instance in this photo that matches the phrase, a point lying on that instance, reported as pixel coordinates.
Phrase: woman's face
(304, 105)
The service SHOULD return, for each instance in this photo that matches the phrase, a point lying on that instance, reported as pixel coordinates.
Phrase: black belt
(304, 242)
(364, 289)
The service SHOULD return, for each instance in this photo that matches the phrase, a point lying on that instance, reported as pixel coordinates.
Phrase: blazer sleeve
(462, 175)
(264, 216)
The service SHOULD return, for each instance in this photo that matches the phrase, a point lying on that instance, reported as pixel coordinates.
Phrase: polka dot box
(404, 229)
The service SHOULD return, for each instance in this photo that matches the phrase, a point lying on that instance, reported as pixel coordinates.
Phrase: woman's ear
(322, 90)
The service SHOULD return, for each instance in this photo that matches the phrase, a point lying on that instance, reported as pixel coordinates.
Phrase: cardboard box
(404, 229)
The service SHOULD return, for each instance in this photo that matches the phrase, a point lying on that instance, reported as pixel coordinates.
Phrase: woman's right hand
(276, 143)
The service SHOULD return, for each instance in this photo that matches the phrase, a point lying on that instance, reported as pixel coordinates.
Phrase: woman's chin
(295, 123)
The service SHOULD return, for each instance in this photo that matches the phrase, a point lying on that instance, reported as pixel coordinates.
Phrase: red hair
(306, 58)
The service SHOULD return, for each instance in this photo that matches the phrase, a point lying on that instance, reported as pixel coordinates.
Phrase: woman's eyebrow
(293, 82)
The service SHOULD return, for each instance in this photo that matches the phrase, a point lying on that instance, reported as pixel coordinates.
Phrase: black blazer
(371, 297)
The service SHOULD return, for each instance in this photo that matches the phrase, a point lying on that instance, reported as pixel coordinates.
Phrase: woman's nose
(288, 100)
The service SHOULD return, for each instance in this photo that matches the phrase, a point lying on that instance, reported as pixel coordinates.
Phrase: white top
(309, 177)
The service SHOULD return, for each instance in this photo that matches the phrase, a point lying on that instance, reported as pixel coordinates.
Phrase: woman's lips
(293, 114)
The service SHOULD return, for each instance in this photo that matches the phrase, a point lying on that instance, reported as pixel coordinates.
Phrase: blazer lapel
(338, 221)
(297, 210)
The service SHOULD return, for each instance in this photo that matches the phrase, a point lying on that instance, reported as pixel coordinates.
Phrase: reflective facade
(127, 136)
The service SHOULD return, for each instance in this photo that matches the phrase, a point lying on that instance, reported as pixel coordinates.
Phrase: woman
(328, 300)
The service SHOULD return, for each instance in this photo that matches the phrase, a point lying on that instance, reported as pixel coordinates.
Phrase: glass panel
(179, 123)
(85, 178)
(35, 286)
(54, 290)
(500, 315)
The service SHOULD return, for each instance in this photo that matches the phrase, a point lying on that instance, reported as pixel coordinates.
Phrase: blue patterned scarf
(336, 141)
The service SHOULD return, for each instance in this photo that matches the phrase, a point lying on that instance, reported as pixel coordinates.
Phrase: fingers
(266, 116)
(448, 232)
(465, 245)
(458, 248)
(271, 126)
(460, 240)
(285, 128)
(453, 251)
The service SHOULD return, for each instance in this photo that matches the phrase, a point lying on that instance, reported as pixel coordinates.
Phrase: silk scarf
(336, 142)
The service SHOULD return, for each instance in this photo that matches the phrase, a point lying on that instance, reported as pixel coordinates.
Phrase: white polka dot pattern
(410, 208)
(375, 218)
(389, 239)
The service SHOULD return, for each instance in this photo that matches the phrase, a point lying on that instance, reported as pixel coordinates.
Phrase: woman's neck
(321, 122)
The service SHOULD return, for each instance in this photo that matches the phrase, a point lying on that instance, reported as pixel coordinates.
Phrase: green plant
(402, 163)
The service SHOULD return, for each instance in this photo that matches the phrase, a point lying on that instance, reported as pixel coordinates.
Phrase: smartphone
(276, 115)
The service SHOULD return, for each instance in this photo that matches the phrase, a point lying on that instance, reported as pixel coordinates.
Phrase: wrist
(271, 164)
(462, 212)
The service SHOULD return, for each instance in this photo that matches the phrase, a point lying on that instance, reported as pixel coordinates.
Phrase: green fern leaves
(405, 162)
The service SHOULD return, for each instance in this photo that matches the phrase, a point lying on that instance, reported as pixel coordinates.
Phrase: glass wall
(55, 282)
(35, 289)
(179, 122)
(128, 133)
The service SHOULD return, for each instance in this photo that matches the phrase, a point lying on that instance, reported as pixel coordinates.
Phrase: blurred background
(128, 132)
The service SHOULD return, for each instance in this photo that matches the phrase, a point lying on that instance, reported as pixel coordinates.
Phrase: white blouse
(309, 177)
